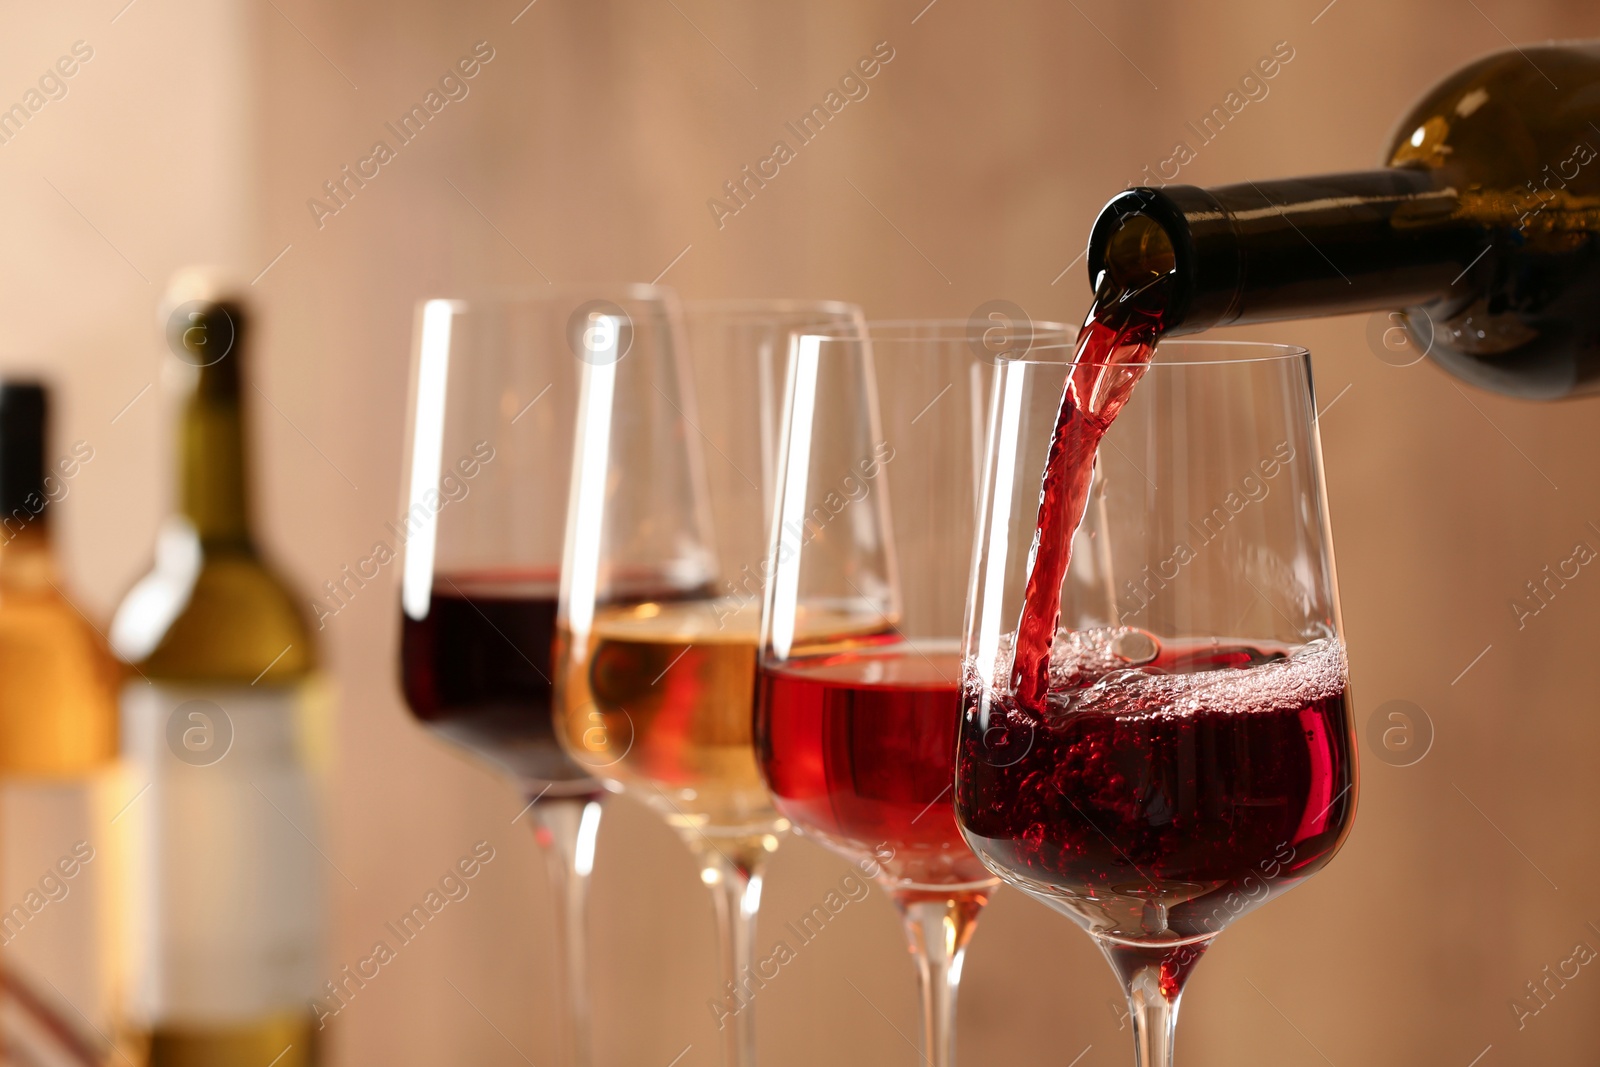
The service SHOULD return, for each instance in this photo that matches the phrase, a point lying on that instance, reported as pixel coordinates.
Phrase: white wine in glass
(661, 586)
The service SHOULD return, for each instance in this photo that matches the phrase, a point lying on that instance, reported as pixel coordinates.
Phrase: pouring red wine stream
(1113, 350)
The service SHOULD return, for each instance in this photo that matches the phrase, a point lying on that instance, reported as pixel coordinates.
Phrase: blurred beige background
(587, 150)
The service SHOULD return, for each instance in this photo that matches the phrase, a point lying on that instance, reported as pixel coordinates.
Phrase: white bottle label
(227, 872)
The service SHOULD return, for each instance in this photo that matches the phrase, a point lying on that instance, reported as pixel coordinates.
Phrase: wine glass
(1193, 755)
(493, 399)
(661, 591)
(859, 683)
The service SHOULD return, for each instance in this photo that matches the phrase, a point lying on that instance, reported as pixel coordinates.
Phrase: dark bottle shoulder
(1501, 119)
(1516, 136)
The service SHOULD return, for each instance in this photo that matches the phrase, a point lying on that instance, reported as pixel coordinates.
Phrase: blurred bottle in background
(59, 965)
(225, 719)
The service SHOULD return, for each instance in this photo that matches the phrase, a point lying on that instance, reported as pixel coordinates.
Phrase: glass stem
(938, 928)
(732, 870)
(1154, 1019)
(1153, 979)
(565, 828)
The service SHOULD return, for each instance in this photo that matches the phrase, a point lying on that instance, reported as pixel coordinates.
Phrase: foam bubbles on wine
(1126, 671)
(1266, 681)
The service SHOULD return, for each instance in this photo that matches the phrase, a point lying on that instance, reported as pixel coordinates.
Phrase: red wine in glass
(1163, 789)
(476, 670)
(858, 749)
(1136, 783)
(1156, 789)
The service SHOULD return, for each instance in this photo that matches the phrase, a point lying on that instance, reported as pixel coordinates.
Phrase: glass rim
(901, 331)
(485, 297)
(1260, 352)
(757, 307)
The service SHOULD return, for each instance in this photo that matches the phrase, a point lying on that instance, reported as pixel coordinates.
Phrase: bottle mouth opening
(1138, 249)
(1137, 238)
(1180, 232)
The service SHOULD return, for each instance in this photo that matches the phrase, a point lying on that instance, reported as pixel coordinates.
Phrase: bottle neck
(25, 491)
(1292, 248)
(213, 476)
(27, 559)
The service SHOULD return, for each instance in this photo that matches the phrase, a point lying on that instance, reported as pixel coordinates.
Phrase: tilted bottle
(223, 716)
(1483, 225)
(58, 738)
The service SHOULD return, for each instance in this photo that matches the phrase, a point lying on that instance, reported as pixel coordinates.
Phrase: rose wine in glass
(859, 749)
(1157, 761)
(856, 726)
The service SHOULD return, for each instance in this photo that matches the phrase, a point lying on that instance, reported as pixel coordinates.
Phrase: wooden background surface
(587, 149)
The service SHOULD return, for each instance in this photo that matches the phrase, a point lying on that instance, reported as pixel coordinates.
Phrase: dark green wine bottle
(1483, 226)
